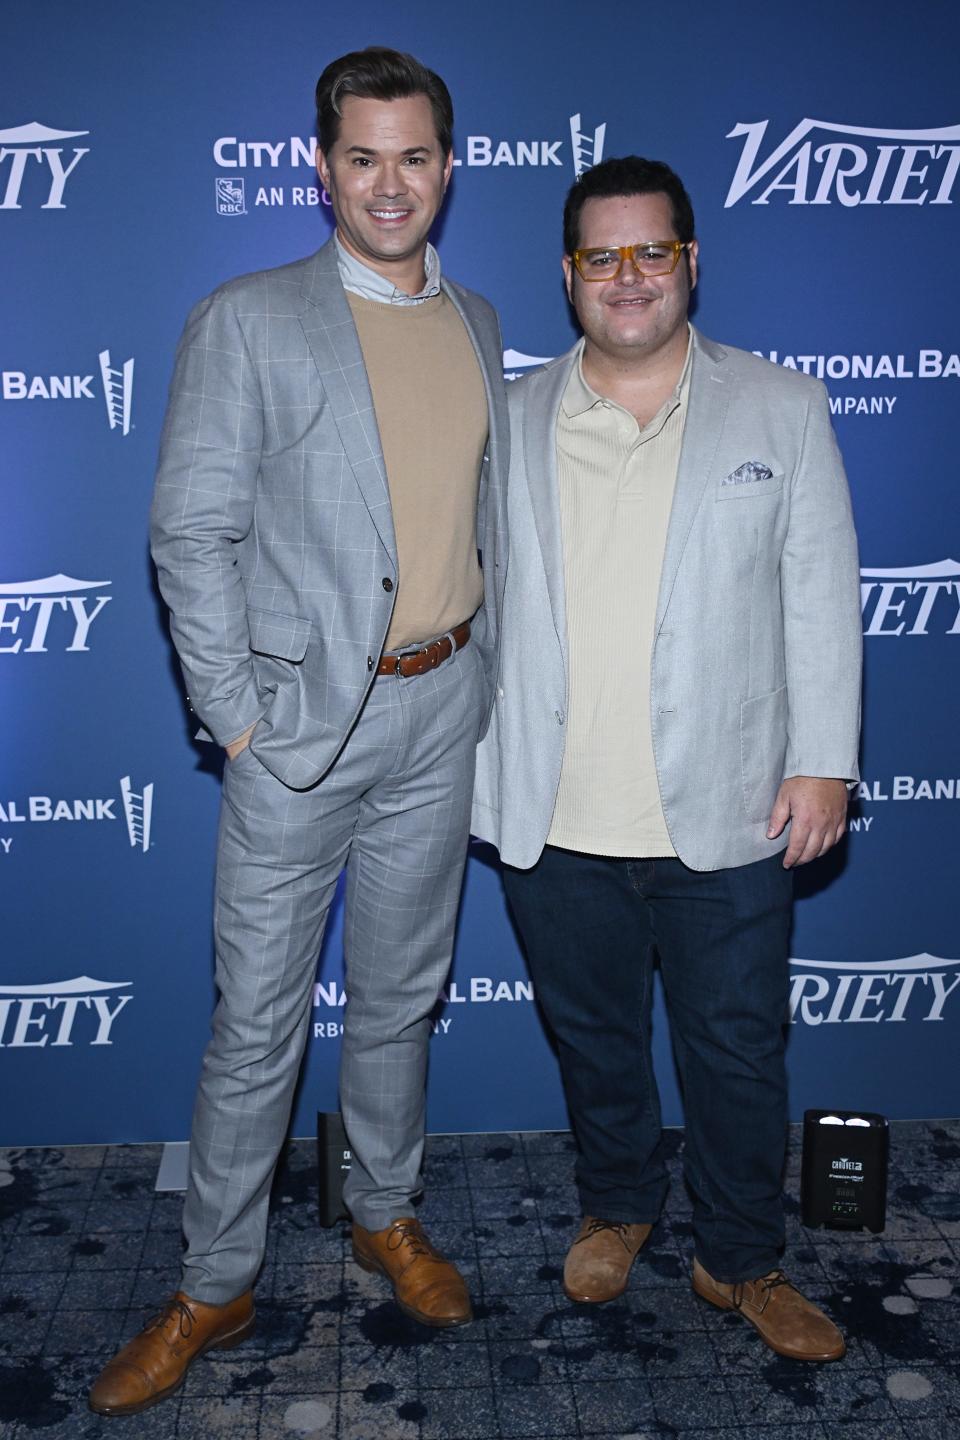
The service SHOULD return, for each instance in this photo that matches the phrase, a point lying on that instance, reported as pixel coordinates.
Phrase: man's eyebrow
(410, 150)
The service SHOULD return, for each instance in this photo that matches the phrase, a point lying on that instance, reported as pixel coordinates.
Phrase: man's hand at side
(817, 810)
(236, 746)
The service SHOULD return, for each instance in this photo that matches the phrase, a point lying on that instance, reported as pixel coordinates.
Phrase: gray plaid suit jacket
(272, 530)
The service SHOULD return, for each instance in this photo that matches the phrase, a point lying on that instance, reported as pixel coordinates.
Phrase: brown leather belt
(418, 662)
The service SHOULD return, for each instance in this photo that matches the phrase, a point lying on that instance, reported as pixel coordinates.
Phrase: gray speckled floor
(87, 1249)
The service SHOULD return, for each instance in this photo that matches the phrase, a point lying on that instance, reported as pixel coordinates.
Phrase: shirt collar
(360, 280)
(579, 396)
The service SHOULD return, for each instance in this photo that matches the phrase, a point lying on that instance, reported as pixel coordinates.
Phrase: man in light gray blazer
(326, 529)
(677, 714)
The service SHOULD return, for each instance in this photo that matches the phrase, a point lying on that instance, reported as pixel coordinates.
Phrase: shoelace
(411, 1235)
(619, 1228)
(184, 1316)
(769, 1282)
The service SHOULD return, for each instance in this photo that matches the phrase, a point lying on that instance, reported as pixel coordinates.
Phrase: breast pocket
(750, 489)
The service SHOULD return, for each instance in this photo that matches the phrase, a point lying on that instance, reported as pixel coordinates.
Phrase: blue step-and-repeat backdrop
(147, 152)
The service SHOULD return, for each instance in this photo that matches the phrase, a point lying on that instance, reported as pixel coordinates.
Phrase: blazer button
(369, 662)
(387, 583)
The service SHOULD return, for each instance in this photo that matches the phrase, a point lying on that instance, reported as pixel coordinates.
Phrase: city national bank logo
(583, 150)
(911, 599)
(295, 153)
(56, 613)
(65, 1012)
(35, 167)
(231, 195)
(824, 992)
(136, 806)
(586, 149)
(480, 990)
(116, 382)
(921, 364)
(865, 167)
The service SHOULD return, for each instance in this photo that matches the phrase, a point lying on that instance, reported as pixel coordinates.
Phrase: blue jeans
(590, 926)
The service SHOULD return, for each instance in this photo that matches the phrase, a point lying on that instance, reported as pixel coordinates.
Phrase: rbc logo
(230, 196)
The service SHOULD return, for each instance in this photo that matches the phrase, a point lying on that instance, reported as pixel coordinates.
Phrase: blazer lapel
(332, 338)
(707, 402)
(542, 396)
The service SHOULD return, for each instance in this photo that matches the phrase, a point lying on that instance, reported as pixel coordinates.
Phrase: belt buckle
(396, 669)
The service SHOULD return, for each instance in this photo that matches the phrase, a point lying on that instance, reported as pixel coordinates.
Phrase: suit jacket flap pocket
(284, 636)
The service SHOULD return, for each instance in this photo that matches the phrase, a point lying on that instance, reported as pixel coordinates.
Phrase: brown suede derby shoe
(155, 1362)
(788, 1322)
(598, 1262)
(427, 1287)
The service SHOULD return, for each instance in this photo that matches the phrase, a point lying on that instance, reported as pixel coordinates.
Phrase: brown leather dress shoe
(789, 1323)
(427, 1287)
(598, 1262)
(155, 1362)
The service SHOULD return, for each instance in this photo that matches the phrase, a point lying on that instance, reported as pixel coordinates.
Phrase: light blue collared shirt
(360, 280)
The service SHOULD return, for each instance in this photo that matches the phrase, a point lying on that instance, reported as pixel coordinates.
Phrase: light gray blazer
(272, 530)
(755, 670)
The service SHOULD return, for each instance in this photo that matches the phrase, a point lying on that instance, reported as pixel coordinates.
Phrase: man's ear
(567, 264)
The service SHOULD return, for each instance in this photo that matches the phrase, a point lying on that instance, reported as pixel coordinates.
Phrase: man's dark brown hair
(380, 74)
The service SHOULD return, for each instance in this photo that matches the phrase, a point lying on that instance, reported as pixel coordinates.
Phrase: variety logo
(117, 383)
(26, 143)
(516, 364)
(886, 991)
(56, 612)
(136, 807)
(66, 1012)
(865, 167)
(481, 990)
(911, 599)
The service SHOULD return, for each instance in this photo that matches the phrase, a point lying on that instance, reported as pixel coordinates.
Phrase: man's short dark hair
(380, 74)
(627, 175)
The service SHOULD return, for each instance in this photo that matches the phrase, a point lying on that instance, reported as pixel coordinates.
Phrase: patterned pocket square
(747, 473)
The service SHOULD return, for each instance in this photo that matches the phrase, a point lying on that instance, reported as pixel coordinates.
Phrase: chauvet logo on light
(55, 613)
(35, 167)
(59, 1013)
(911, 599)
(820, 163)
(826, 992)
(116, 380)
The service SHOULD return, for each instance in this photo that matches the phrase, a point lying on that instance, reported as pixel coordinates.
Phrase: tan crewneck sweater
(431, 410)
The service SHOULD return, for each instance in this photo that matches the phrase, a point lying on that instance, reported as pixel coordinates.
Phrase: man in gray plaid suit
(326, 530)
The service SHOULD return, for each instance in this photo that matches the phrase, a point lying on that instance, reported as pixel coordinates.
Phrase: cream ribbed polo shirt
(616, 488)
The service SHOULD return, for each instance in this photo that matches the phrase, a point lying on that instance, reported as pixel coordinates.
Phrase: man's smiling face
(386, 175)
(632, 314)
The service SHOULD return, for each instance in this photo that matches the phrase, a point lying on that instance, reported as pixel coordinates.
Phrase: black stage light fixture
(843, 1174)
(333, 1162)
